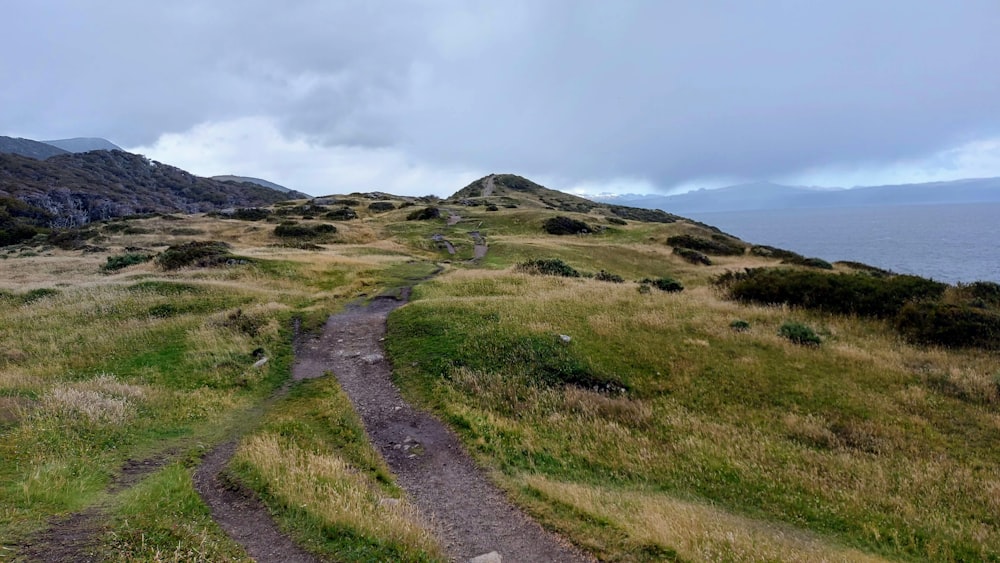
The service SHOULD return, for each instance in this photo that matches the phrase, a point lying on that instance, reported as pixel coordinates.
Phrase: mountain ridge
(766, 195)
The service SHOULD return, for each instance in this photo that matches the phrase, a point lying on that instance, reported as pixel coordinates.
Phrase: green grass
(799, 436)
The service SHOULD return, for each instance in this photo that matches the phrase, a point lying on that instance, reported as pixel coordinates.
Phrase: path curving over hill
(471, 516)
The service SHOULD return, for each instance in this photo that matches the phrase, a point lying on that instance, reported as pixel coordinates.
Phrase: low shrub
(862, 267)
(718, 245)
(381, 206)
(739, 325)
(670, 285)
(492, 207)
(799, 334)
(616, 221)
(37, 294)
(692, 256)
(766, 251)
(608, 277)
(548, 267)
(809, 262)
(290, 229)
(346, 202)
(342, 214)
(425, 214)
(251, 214)
(561, 225)
(72, 239)
(947, 324)
(855, 293)
(200, 254)
(980, 293)
(121, 261)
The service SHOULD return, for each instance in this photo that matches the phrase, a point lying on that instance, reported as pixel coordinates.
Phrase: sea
(954, 243)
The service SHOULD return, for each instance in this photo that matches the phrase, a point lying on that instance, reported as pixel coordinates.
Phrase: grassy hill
(642, 419)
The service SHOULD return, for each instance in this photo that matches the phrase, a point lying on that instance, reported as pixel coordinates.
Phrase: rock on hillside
(29, 148)
(70, 190)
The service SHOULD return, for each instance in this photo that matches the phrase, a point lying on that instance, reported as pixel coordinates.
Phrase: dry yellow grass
(328, 488)
(697, 532)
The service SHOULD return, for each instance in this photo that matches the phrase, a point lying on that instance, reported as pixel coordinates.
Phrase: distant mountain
(71, 190)
(84, 144)
(748, 197)
(258, 181)
(29, 148)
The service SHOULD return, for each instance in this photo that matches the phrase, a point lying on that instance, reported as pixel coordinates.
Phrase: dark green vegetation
(923, 310)
(291, 229)
(561, 225)
(381, 206)
(692, 256)
(670, 285)
(342, 214)
(201, 254)
(718, 245)
(120, 261)
(799, 334)
(548, 267)
(425, 214)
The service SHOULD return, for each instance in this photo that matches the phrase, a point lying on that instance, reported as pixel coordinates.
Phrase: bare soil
(471, 516)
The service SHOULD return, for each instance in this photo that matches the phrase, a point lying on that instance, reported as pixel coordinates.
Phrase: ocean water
(951, 243)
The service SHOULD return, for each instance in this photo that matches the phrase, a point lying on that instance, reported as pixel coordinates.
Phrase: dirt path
(241, 514)
(480, 247)
(439, 238)
(454, 219)
(77, 537)
(488, 186)
(472, 517)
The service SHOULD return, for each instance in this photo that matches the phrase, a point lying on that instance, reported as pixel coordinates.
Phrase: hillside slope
(74, 189)
(29, 148)
(258, 181)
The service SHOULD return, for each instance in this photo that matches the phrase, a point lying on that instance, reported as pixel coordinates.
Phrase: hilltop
(84, 144)
(258, 181)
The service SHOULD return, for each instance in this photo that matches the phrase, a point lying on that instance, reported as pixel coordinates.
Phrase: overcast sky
(421, 97)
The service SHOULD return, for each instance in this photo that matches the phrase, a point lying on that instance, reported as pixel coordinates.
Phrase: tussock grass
(343, 500)
(313, 464)
(656, 523)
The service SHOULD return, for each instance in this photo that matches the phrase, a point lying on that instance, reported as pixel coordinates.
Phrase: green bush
(608, 277)
(951, 325)
(40, 293)
(766, 251)
(739, 325)
(718, 245)
(616, 221)
(425, 214)
(809, 262)
(560, 225)
(692, 256)
(291, 229)
(251, 214)
(200, 254)
(492, 207)
(799, 334)
(855, 293)
(342, 214)
(669, 285)
(381, 206)
(548, 267)
(116, 263)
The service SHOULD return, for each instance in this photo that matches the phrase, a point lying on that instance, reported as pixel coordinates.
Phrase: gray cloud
(581, 90)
